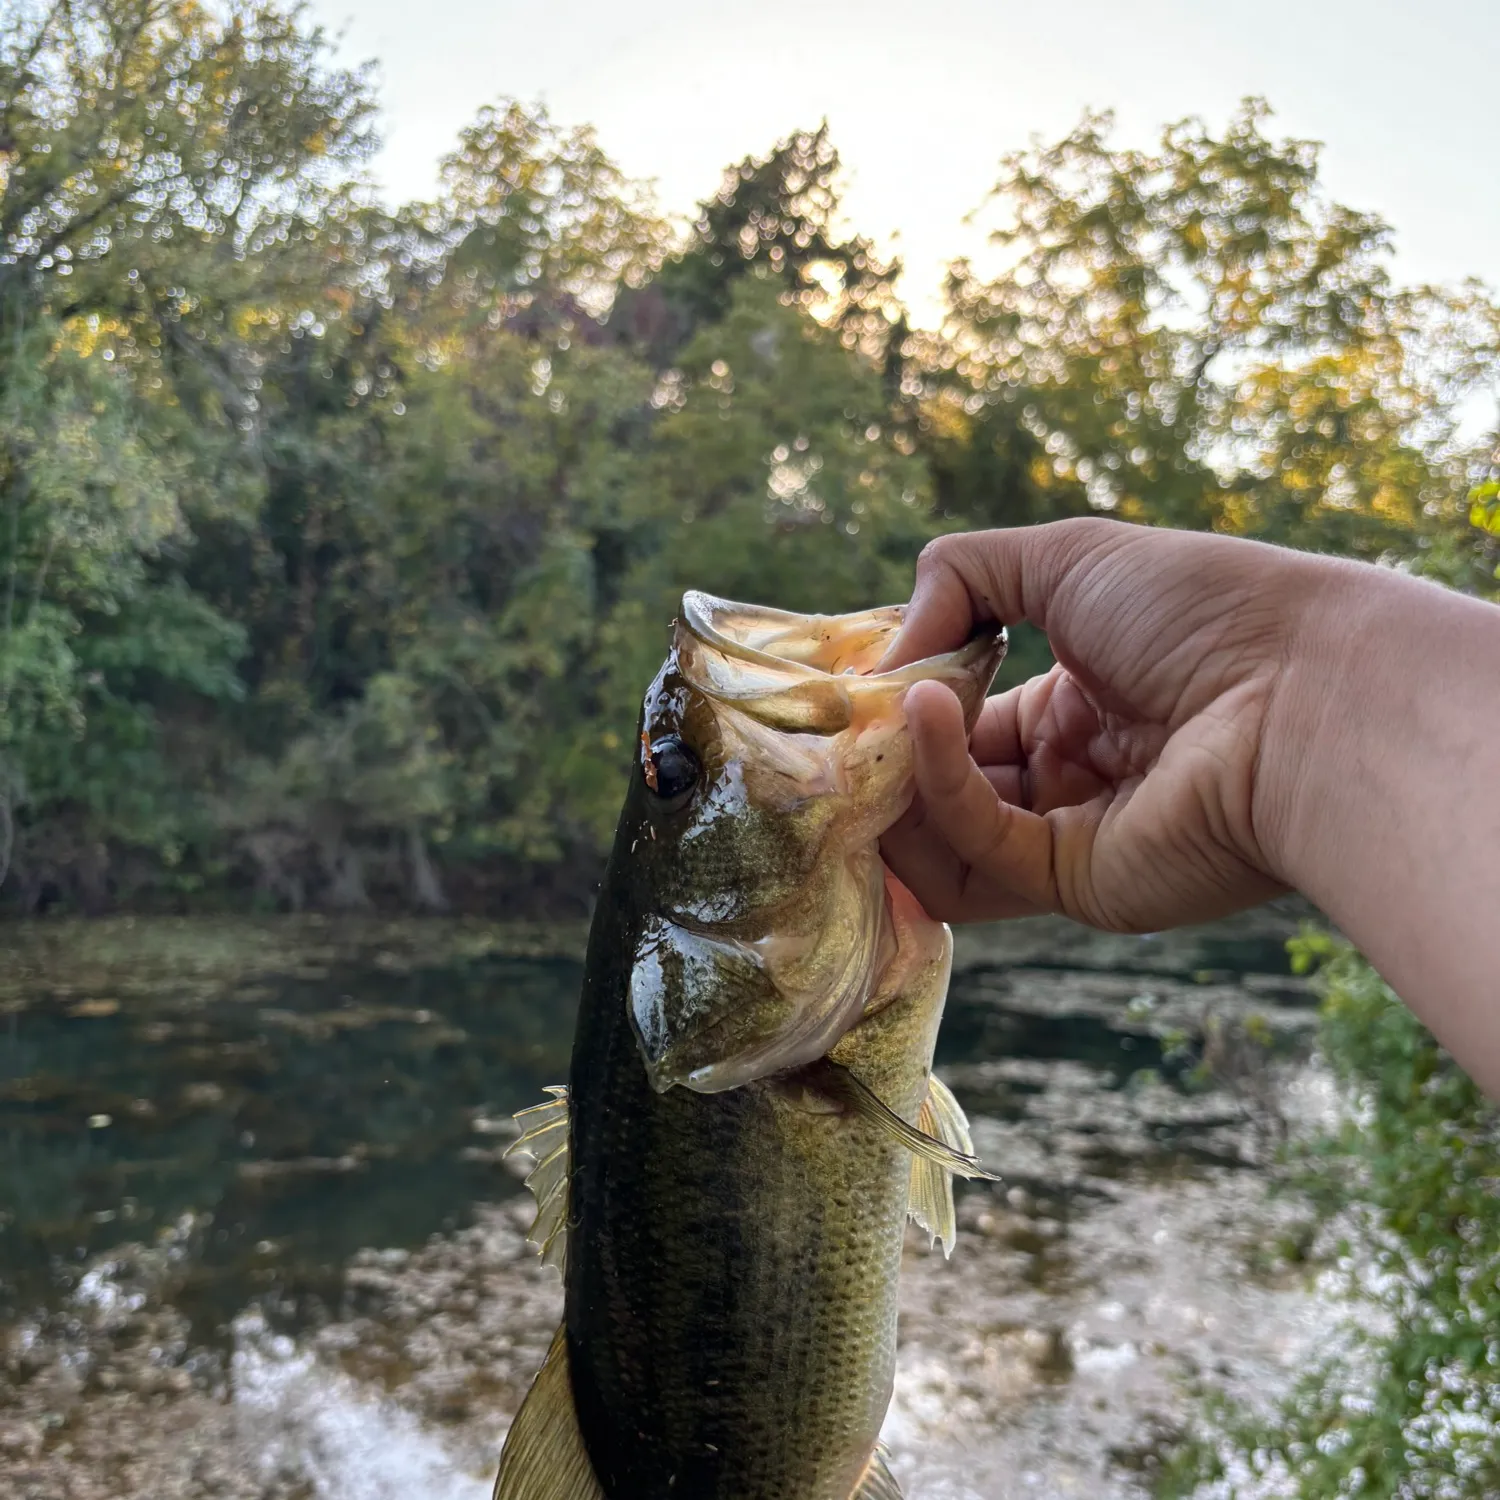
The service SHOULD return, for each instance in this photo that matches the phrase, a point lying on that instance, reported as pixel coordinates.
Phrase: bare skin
(1227, 720)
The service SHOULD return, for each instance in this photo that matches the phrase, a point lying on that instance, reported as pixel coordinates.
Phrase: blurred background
(361, 424)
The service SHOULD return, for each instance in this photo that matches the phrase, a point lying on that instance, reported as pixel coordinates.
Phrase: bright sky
(924, 96)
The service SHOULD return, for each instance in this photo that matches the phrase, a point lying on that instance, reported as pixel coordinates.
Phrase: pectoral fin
(544, 1457)
(879, 1483)
(544, 1136)
(840, 1085)
(931, 1202)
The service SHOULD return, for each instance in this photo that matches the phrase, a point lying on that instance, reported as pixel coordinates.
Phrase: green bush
(1413, 1408)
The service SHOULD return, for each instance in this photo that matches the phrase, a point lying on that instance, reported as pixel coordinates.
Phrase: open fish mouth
(770, 928)
(816, 673)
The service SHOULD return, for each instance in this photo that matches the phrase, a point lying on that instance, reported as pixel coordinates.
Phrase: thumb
(995, 842)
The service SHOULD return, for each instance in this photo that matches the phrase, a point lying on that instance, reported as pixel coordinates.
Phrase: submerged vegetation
(336, 539)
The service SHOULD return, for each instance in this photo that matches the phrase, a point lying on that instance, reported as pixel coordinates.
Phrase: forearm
(1383, 764)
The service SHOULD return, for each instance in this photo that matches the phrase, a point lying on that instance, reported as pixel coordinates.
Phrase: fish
(751, 1113)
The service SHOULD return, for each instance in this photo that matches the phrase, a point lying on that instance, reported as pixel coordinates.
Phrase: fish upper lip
(699, 608)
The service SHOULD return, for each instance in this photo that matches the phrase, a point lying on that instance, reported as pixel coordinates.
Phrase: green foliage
(157, 162)
(779, 213)
(1413, 1409)
(527, 206)
(1476, 555)
(772, 473)
(1484, 508)
(337, 541)
(1198, 336)
(92, 626)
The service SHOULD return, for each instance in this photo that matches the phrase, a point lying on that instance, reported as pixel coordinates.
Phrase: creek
(256, 1238)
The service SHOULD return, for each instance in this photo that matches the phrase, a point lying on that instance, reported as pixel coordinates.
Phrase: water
(251, 1169)
(322, 1099)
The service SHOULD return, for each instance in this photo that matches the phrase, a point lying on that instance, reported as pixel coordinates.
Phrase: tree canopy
(338, 538)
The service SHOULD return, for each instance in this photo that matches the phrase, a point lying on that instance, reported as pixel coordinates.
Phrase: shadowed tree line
(337, 541)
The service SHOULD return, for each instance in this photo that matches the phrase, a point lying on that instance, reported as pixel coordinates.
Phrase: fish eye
(671, 768)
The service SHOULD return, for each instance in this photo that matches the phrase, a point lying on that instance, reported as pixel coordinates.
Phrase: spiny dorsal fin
(544, 1137)
(879, 1483)
(838, 1083)
(544, 1457)
(931, 1201)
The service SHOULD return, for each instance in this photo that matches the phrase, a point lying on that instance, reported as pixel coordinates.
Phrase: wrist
(1341, 631)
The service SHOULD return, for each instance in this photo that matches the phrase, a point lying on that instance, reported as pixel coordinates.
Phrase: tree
(435, 452)
(776, 213)
(1408, 1402)
(88, 618)
(774, 474)
(155, 156)
(1199, 336)
(157, 162)
(336, 542)
(531, 213)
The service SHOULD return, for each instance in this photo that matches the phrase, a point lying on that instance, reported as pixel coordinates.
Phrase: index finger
(968, 579)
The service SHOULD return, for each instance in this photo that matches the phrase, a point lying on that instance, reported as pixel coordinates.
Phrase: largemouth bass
(750, 1113)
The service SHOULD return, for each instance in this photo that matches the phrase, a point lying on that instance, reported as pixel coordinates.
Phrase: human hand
(1144, 782)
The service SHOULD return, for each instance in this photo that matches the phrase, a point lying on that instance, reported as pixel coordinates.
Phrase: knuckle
(994, 840)
(1085, 533)
(937, 552)
(978, 824)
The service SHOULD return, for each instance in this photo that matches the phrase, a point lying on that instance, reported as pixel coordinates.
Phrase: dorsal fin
(879, 1483)
(544, 1457)
(544, 1137)
(931, 1200)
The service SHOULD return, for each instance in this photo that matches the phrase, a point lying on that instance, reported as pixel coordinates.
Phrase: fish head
(772, 756)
